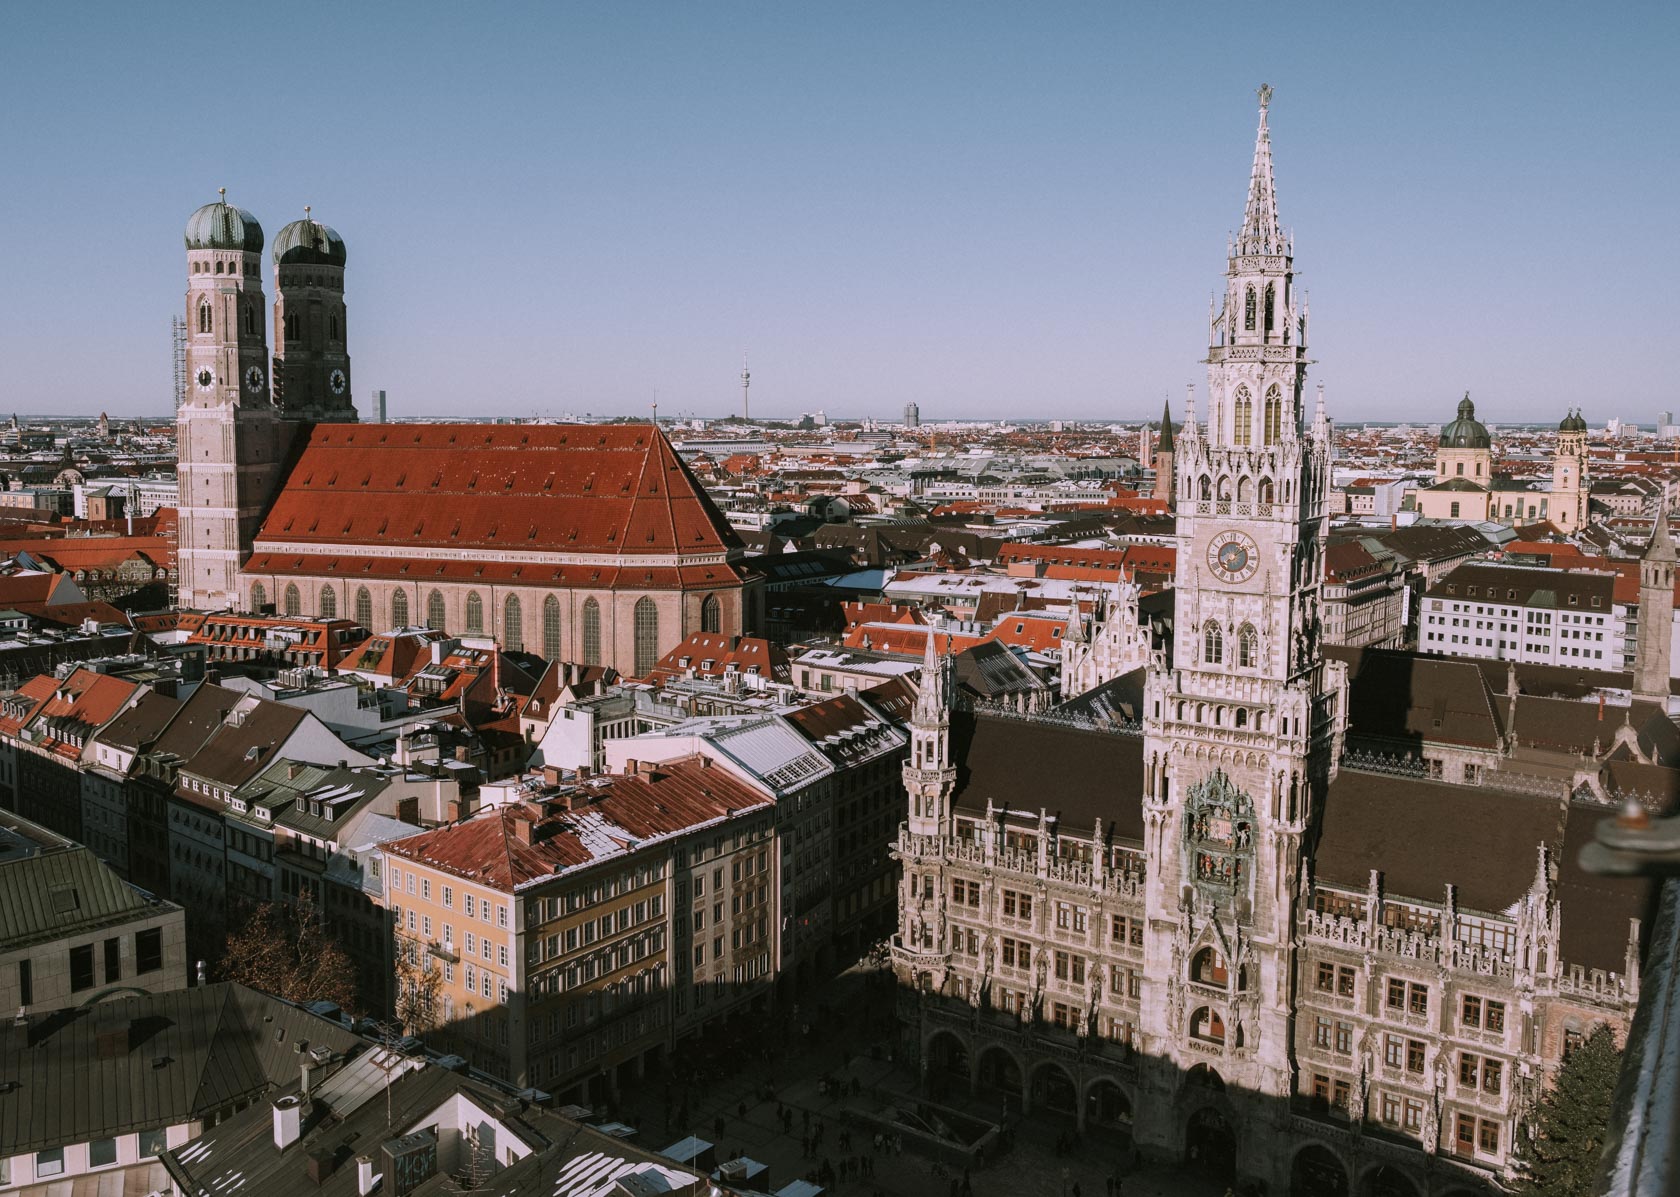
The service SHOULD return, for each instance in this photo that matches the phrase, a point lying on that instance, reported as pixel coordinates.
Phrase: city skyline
(989, 220)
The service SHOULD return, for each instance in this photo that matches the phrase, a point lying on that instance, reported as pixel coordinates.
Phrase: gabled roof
(136, 1063)
(64, 891)
(610, 489)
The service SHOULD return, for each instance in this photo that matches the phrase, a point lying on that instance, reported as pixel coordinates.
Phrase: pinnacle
(1261, 233)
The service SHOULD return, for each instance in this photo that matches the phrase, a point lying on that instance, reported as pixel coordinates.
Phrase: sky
(994, 210)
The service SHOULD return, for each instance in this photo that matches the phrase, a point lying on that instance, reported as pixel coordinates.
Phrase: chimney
(364, 1175)
(631, 767)
(524, 830)
(288, 1121)
(551, 774)
(305, 1062)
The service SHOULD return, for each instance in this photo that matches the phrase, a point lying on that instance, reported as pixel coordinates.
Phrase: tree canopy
(1561, 1157)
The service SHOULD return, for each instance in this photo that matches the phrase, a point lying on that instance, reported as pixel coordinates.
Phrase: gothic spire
(1261, 233)
(930, 691)
(1662, 544)
(1165, 443)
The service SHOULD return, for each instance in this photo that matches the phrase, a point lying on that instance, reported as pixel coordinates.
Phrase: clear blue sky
(991, 209)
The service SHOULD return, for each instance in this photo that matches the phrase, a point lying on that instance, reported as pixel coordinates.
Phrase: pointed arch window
(250, 321)
(435, 611)
(475, 612)
(1274, 416)
(291, 326)
(328, 603)
(364, 608)
(551, 628)
(293, 601)
(711, 614)
(646, 627)
(513, 625)
(1213, 643)
(591, 632)
(1263, 494)
(1248, 311)
(332, 326)
(259, 597)
(1271, 298)
(204, 324)
(1204, 489)
(1242, 427)
(1248, 647)
(399, 609)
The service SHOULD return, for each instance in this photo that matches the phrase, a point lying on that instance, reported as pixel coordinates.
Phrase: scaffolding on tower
(178, 353)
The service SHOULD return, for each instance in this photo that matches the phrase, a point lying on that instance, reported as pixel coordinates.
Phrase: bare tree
(286, 950)
(419, 982)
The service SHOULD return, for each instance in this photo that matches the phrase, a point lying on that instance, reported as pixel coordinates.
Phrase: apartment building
(552, 921)
(1524, 613)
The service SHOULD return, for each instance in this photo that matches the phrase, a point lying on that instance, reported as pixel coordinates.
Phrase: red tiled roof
(709, 654)
(350, 567)
(489, 849)
(618, 489)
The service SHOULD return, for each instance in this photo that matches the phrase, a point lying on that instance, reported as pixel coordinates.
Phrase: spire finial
(1264, 95)
(222, 191)
(306, 211)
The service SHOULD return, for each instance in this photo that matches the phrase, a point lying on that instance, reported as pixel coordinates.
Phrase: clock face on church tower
(1232, 557)
(254, 379)
(336, 380)
(205, 380)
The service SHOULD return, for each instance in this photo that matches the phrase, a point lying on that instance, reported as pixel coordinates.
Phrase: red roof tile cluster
(511, 846)
(610, 489)
(712, 654)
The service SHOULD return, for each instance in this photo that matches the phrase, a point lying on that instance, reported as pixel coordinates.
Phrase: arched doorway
(1053, 1089)
(998, 1070)
(1210, 1145)
(948, 1056)
(1106, 1104)
(1317, 1173)
(1387, 1181)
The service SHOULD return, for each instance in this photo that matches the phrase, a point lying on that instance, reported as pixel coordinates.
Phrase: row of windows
(1213, 645)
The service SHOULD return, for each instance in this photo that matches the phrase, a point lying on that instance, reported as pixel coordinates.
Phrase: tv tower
(746, 381)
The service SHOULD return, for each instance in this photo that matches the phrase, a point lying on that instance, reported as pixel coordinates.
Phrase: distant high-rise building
(912, 416)
(379, 407)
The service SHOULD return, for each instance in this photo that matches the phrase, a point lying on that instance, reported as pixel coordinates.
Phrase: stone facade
(1211, 936)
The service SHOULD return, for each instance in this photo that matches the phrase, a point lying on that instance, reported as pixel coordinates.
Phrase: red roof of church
(575, 488)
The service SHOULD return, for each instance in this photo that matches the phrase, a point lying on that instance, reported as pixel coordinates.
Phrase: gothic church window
(711, 619)
(1248, 647)
(293, 601)
(646, 625)
(364, 607)
(1248, 311)
(1269, 305)
(1265, 492)
(399, 609)
(1242, 428)
(591, 632)
(1213, 643)
(475, 612)
(250, 321)
(435, 611)
(332, 326)
(259, 596)
(551, 628)
(1274, 416)
(203, 317)
(328, 603)
(1205, 490)
(513, 625)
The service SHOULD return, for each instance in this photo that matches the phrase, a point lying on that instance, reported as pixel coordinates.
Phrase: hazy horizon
(984, 210)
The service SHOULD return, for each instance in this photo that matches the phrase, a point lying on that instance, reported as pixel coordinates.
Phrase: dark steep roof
(1079, 776)
(1423, 836)
(135, 1063)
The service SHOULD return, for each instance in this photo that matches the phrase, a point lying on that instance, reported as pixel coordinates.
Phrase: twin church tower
(241, 414)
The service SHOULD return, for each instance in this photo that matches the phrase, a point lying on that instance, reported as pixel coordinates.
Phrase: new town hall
(1210, 932)
(589, 543)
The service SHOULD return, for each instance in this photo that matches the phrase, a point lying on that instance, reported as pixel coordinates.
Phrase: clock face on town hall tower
(1232, 557)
